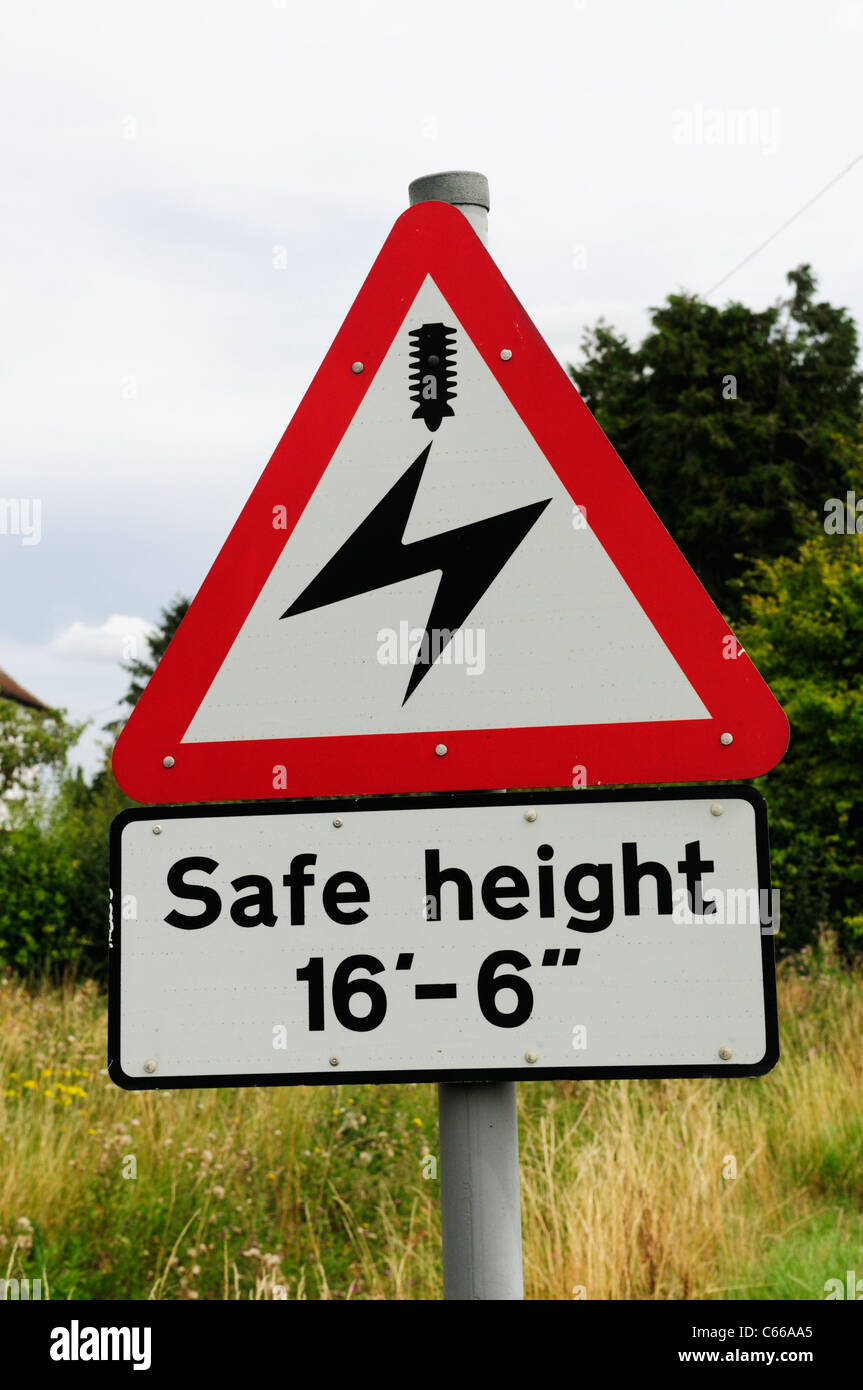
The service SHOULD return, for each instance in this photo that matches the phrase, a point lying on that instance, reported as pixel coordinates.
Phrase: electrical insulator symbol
(432, 374)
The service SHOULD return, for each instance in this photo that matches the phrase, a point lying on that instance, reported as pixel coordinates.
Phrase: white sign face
(573, 934)
(340, 663)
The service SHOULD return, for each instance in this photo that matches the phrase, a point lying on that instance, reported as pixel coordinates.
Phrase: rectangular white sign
(568, 934)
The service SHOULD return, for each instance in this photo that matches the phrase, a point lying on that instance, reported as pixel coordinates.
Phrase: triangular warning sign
(445, 579)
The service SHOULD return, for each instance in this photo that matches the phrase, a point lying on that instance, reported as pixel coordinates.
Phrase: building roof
(13, 691)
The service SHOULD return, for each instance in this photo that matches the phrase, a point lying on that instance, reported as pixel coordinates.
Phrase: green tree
(53, 862)
(803, 628)
(142, 668)
(32, 740)
(54, 848)
(54, 878)
(737, 424)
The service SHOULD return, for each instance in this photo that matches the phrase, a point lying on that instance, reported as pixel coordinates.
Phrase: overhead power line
(786, 223)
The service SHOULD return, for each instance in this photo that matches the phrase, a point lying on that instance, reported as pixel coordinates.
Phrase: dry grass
(319, 1193)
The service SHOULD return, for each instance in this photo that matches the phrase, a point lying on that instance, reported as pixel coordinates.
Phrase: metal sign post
(480, 1197)
(480, 1194)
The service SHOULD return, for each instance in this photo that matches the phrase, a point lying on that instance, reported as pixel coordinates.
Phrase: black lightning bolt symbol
(469, 557)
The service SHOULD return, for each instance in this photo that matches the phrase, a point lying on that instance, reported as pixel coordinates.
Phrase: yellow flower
(49, 1094)
(46, 1071)
(416, 1121)
(13, 1095)
(271, 1176)
(29, 1085)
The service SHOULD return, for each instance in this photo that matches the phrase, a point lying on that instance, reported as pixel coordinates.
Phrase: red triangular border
(435, 239)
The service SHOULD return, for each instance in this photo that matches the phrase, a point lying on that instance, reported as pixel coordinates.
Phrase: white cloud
(119, 638)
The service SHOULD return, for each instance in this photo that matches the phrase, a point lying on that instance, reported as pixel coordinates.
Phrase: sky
(192, 193)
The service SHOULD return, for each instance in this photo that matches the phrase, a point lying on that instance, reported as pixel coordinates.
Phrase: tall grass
(628, 1188)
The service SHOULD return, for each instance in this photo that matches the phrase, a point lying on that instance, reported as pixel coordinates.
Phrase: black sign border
(327, 806)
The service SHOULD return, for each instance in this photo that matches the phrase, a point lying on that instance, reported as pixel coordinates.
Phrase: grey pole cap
(456, 186)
